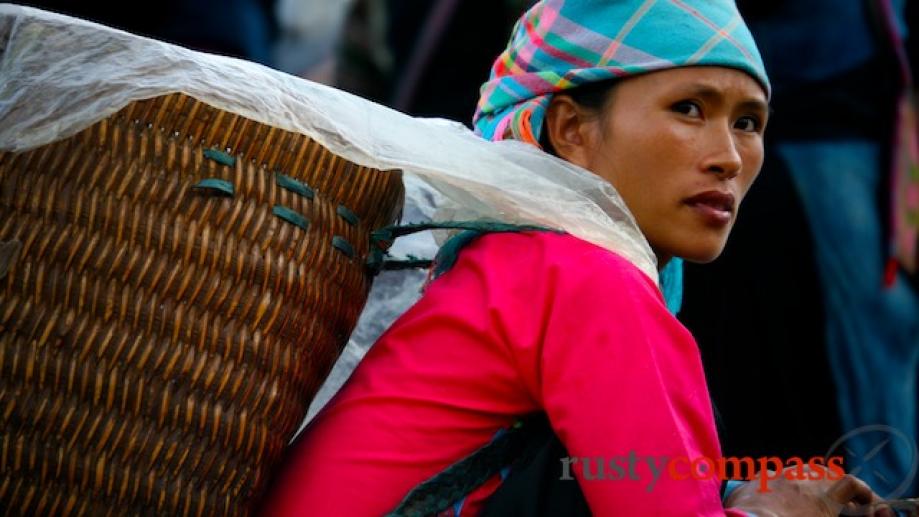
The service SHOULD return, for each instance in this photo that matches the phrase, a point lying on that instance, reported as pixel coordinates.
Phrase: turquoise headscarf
(563, 44)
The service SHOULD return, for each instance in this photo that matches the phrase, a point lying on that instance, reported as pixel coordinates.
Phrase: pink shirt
(523, 322)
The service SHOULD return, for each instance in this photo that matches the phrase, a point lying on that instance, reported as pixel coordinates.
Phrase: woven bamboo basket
(176, 281)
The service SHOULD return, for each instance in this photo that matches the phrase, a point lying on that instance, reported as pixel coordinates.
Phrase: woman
(542, 322)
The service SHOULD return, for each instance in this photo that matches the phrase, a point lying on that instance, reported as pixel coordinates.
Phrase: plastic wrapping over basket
(58, 75)
(175, 283)
(181, 248)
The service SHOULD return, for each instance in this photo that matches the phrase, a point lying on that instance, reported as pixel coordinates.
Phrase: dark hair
(590, 96)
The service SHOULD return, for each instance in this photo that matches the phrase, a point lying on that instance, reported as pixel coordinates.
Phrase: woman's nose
(722, 156)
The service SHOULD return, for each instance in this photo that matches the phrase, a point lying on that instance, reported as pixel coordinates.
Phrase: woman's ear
(570, 130)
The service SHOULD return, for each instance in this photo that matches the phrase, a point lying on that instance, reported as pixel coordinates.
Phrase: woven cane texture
(160, 343)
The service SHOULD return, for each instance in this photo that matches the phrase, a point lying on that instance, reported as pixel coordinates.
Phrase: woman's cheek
(754, 164)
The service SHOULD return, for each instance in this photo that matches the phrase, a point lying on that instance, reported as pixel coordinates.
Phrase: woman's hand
(809, 498)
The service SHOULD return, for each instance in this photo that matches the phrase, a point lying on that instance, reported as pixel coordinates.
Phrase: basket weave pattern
(160, 343)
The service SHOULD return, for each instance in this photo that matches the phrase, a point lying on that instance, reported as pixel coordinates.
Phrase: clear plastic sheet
(59, 75)
(392, 294)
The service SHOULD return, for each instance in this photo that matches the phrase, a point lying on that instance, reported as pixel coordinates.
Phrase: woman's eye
(750, 124)
(688, 108)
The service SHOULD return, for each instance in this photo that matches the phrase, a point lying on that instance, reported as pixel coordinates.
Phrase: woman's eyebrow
(755, 105)
(706, 91)
(703, 90)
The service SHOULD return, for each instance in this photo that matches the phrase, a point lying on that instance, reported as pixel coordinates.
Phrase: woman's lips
(716, 208)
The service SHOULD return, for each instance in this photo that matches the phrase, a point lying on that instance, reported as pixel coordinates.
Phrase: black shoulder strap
(449, 486)
(537, 486)
(382, 239)
(530, 448)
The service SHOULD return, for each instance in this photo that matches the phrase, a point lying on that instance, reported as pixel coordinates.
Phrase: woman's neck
(662, 259)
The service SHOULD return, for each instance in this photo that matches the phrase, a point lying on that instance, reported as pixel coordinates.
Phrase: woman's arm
(622, 383)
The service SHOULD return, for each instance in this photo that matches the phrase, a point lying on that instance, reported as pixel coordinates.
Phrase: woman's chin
(701, 251)
(688, 239)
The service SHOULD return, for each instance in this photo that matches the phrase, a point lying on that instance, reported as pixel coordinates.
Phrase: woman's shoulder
(554, 257)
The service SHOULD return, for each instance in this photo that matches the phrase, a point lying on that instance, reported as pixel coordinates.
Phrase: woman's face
(682, 147)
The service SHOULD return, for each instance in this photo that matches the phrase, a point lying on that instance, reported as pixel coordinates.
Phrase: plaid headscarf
(562, 44)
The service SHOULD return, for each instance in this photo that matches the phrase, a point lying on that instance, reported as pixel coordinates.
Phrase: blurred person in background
(310, 31)
(809, 321)
(245, 29)
(423, 57)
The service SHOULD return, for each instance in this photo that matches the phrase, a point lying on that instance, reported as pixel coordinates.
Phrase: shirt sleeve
(622, 383)
(521, 323)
